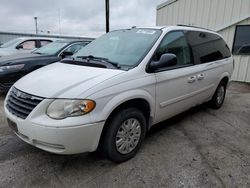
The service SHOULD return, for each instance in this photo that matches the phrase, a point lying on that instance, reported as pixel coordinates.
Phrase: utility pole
(107, 15)
(59, 21)
(35, 18)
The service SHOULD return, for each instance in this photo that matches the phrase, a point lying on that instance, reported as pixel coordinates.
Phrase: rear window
(207, 47)
(52, 48)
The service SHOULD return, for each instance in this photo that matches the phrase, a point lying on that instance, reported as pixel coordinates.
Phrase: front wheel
(124, 135)
(219, 96)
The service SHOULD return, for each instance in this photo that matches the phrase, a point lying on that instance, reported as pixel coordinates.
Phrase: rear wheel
(219, 96)
(124, 135)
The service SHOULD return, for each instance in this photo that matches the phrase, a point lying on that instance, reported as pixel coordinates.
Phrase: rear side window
(207, 47)
(44, 42)
(174, 42)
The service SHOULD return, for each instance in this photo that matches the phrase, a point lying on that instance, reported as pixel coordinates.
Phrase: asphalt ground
(199, 148)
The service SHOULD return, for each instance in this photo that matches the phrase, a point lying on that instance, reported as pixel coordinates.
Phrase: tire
(219, 96)
(131, 125)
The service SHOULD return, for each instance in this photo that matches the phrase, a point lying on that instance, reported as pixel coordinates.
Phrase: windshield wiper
(106, 60)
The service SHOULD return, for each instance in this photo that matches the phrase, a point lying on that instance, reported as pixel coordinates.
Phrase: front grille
(21, 104)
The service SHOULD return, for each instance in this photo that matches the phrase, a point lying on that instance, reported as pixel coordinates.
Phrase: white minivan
(110, 93)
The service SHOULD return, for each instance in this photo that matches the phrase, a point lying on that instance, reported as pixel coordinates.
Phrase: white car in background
(24, 44)
(110, 93)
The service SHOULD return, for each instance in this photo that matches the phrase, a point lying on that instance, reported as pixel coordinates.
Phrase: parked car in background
(110, 93)
(24, 44)
(16, 66)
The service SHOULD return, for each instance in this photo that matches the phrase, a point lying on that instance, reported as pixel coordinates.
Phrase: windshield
(51, 48)
(10, 43)
(125, 47)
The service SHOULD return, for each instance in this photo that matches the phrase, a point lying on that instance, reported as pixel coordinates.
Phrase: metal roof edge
(46, 35)
(232, 24)
(168, 2)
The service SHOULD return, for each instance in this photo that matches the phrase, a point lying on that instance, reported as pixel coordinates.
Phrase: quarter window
(207, 47)
(241, 44)
(175, 43)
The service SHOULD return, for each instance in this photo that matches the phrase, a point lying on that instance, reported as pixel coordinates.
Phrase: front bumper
(59, 140)
(7, 79)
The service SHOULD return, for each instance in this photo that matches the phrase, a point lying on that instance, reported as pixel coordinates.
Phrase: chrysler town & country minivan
(110, 93)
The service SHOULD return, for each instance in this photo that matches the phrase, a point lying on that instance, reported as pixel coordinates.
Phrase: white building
(230, 18)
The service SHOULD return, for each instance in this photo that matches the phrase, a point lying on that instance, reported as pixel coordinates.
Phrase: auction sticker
(148, 32)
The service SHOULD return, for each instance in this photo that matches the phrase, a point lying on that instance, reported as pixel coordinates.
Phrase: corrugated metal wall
(218, 15)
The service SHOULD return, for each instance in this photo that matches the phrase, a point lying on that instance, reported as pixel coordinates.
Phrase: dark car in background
(16, 66)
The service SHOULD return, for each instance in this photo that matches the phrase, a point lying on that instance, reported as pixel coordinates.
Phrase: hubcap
(220, 95)
(128, 136)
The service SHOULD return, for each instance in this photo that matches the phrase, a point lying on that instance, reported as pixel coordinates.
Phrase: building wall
(242, 62)
(219, 15)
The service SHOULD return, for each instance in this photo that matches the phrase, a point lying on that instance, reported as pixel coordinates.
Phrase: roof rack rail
(194, 27)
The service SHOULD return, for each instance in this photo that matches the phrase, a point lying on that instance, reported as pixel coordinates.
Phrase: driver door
(173, 89)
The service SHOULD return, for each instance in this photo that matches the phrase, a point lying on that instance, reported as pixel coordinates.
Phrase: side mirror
(66, 54)
(166, 60)
(20, 46)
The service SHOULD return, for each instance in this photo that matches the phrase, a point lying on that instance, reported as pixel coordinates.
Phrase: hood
(12, 51)
(60, 80)
(7, 51)
(22, 57)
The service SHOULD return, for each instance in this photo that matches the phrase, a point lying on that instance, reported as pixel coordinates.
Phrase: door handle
(200, 76)
(191, 79)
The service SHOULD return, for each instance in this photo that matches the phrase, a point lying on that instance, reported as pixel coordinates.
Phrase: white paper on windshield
(148, 32)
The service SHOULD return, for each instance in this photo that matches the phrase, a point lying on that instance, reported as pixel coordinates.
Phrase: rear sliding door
(210, 54)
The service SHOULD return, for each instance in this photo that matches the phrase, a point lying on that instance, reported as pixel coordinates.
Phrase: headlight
(63, 108)
(11, 67)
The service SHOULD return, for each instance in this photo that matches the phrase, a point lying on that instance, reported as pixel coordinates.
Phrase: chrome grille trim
(20, 103)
